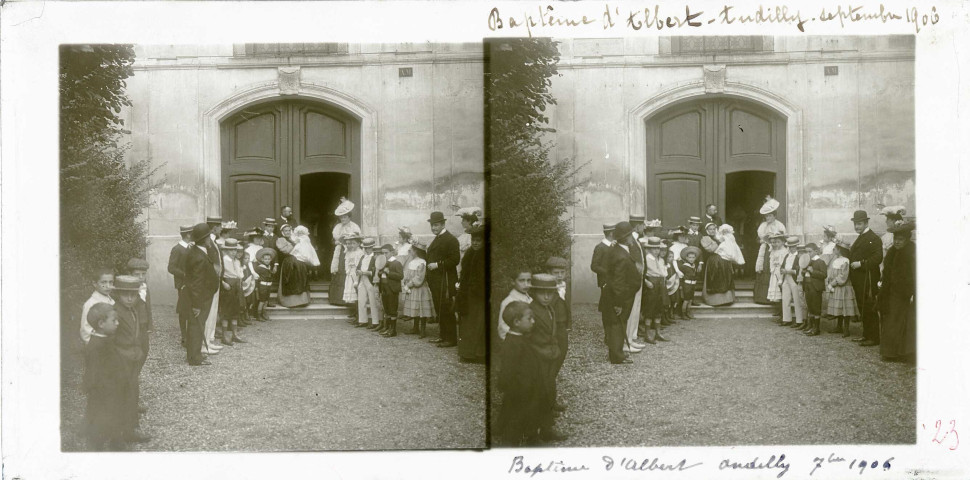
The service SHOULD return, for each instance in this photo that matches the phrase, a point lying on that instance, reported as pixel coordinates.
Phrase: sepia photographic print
(272, 235)
(394, 240)
(740, 233)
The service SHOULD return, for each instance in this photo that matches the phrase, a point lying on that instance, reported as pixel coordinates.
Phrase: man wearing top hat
(598, 264)
(215, 257)
(443, 257)
(620, 287)
(865, 256)
(201, 285)
(176, 267)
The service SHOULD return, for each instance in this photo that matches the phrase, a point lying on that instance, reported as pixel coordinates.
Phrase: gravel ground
(733, 382)
(300, 385)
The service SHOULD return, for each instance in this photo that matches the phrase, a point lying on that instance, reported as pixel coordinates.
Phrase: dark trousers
(615, 332)
(194, 330)
(390, 301)
(868, 314)
(447, 330)
(562, 338)
(183, 308)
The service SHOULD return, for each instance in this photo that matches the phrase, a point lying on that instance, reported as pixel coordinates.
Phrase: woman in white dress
(768, 228)
(337, 270)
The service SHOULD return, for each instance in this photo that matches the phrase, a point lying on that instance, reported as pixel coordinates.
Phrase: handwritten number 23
(953, 430)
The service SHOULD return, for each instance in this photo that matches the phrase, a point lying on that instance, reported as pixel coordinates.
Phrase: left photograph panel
(272, 247)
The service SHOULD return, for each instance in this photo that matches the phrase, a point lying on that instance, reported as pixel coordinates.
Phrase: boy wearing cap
(231, 295)
(655, 285)
(129, 340)
(865, 258)
(789, 288)
(687, 266)
(551, 324)
(265, 270)
(107, 378)
(366, 293)
(814, 285)
(176, 267)
(390, 283)
(556, 266)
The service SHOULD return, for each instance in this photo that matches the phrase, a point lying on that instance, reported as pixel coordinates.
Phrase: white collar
(200, 247)
(184, 244)
(443, 230)
(512, 332)
(96, 334)
(816, 257)
(624, 247)
(606, 242)
(864, 231)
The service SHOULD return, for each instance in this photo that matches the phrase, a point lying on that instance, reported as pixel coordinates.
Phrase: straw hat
(127, 283)
(770, 206)
(345, 207)
(543, 281)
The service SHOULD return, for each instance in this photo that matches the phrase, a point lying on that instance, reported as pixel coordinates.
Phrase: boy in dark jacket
(391, 276)
(550, 338)
(521, 380)
(128, 340)
(813, 285)
(107, 375)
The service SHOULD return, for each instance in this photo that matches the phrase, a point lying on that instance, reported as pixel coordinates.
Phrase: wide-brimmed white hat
(769, 207)
(345, 207)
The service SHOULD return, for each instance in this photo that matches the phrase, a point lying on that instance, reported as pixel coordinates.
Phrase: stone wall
(853, 147)
(425, 141)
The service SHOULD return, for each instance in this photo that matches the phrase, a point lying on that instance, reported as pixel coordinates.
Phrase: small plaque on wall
(831, 71)
(405, 72)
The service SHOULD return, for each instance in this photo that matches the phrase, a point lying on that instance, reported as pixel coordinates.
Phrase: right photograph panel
(701, 241)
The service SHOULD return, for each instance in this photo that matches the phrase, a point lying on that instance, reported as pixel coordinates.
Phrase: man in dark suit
(711, 216)
(598, 263)
(865, 256)
(286, 218)
(443, 258)
(619, 290)
(176, 267)
(201, 284)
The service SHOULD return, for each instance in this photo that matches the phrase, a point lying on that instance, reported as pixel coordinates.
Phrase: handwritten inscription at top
(655, 17)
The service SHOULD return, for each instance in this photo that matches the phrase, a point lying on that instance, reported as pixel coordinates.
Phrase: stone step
(317, 311)
(737, 308)
(314, 296)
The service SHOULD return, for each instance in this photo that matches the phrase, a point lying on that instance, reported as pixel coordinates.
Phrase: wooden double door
(269, 149)
(694, 148)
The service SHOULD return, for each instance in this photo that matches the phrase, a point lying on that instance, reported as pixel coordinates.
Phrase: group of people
(872, 280)
(439, 282)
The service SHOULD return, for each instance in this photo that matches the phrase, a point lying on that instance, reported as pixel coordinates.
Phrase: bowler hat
(436, 217)
(264, 251)
(214, 220)
(557, 262)
(200, 231)
(127, 283)
(137, 264)
(860, 216)
(791, 241)
(543, 281)
(185, 229)
(691, 249)
(623, 229)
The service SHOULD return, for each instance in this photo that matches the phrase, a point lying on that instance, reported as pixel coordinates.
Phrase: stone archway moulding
(695, 90)
(271, 91)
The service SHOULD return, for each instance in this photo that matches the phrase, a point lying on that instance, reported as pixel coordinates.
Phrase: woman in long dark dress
(294, 274)
(719, 281)
(470, 299)
(768, 228)
(897, 297)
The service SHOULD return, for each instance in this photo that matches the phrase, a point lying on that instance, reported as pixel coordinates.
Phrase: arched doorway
(720, 150)
(293, 152)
